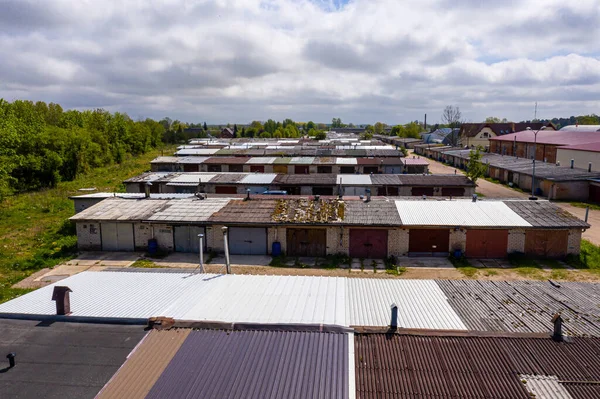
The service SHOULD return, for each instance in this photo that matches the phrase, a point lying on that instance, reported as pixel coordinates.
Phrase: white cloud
(362, 60)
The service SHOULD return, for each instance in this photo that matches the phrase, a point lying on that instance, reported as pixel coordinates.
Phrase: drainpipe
(226, 247)
(201, 239)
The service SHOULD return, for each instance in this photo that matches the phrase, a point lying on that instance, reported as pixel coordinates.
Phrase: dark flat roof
(436, 180)
(257, 364)
(62, 360)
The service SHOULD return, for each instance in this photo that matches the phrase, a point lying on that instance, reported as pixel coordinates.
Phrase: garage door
(306, 242)
(546, 243)
(354, 191)
(487, 243)
(257, 168)
(258, 189)
(428, 241)
(280, 169)
(247, 241)
(594, 193)
(322, 190)
(418, 191)
(393, 169)
(117, 236)
(368, 243)
(453, 191)
(301, 169)
(225, 190)
(186, 238)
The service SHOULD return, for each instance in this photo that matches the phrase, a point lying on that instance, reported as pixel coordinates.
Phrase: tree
(367, 135)
(412, 130)
(475, 168)
(336, 122)
(452, 116)
(378, 128)
(320, 135)
(270, 126)
(309, 125)
(493, 119)
(205, 127)
(235, 130)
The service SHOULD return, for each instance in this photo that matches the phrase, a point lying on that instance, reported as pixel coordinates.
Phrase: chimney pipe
(226, 247)
(589, 167)
(474, 197)
(63, 300)
(425, 123)
(247, 194)
(394, 322)
(368, 191)
(587, 213)
(557, 334)
(147, 190)
(11, 359)
(572, 163)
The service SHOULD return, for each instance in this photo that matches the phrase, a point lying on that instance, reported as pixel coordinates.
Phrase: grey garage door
(186, 238)
(117, 236)
(247, 241)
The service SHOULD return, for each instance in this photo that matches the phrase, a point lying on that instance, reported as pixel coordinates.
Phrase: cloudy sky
(360, 60)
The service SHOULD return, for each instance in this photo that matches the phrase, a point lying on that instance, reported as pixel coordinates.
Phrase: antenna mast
(535, 112)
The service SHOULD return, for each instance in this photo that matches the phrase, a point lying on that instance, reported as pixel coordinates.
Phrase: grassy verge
(589, 257)
(593, 207)
(145, 264)
(34, 229)
(464, 266)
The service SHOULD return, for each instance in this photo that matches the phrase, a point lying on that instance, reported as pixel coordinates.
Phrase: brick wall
(88, 236)
(164, 237)
(574, 243)
(141, 234)
(214, 237)
(458, 240)
(398, 242)
(276, 234)
(338, 240)
(516, 241)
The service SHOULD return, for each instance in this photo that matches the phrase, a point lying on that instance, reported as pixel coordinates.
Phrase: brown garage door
(306, 242)
(428, 241)
(453, 191)
(257, 168)
(594, 193)
(225, 190)
(487, 243)
(368, 243)
(301, 169)
(280, 168)
(546, 243)
(418, 191)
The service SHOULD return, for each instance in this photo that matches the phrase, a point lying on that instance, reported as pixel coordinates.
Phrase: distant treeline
(40, 144)
(592, 119)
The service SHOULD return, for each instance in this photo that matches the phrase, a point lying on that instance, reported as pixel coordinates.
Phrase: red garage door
(594, 193)
(257, 168)
(301, 169)
(453, 191)
(368, 243)
(418, 191)
(428, 241)
(546, 243)
(487, 243)
(225, 190)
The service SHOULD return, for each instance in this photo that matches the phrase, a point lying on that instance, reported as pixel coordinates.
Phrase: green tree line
(41, 144)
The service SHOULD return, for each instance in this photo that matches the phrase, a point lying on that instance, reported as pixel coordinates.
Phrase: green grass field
(34, 229)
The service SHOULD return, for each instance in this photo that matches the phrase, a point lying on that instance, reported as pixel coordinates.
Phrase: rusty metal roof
(545, 214)
(411, 366)
(254, 364)
(240, 211)
(458, 180)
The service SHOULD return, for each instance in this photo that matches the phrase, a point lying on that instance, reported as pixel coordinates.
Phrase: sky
(360, 60)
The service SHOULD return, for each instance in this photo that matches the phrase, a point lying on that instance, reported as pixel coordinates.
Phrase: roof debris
(308, 211)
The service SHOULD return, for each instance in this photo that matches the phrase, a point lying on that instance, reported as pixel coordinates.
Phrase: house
(521, 144)
(370, 228)
(227, 133)
(479, 134)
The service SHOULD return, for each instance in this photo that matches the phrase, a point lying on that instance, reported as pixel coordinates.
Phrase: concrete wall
(581, 158)
(141, 234)
(458, 240)
(214, 237)
(164, 237)
(574, 243)
(516, 241)
(571, 190)
(338, 240)
(398, 242)
(275, 234)
(88, 236)
(480, 139)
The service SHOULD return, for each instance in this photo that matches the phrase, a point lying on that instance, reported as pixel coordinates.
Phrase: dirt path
(592, 234)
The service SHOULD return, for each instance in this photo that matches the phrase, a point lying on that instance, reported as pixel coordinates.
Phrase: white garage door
(117, 236)
(247, 241)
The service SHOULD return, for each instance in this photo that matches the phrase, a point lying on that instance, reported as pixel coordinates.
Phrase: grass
(589, 257)
(593, 207)
(34, 229)
(464, 266)
(145, 264)
(480, 195)
(335, 261)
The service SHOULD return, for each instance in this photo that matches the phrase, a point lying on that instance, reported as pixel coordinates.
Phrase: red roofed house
(479, 134)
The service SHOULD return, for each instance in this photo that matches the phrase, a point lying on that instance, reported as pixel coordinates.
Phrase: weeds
(145, 264)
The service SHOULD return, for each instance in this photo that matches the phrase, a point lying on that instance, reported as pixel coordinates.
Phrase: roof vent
(557, 334)
(63, 301)
(394, 321)
(247, 194)
(474, 197)
(317, 198)
(368, 191)
(147, 190)
(11, 359)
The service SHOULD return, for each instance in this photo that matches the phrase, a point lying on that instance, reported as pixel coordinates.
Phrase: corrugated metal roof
(197, 151)
(545, 214)
(421, 304)
(259, 178)
(148, 177)
(544, 387)
(144, 365)
(346, 161)
(372, 213)
(261, 160)
(257, 364)
(240, 211)
(459, 213)
(190, 210)
(415, 161)
(190, 179)
(354, 180)
(282, 160)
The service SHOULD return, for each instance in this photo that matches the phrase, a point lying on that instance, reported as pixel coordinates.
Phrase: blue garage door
(247, 241)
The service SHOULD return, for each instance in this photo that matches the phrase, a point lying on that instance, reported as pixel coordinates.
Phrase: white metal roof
(354, 180)
(197, 151)
(421, 304)
(130, 195)
(459, 213)
(191, 160)
(302, 160)
(121, 209)
(346, 161)
(190, 179)
(190, 210)
(259, 178)
(165, 159)
(545, 387)
(261, 160)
